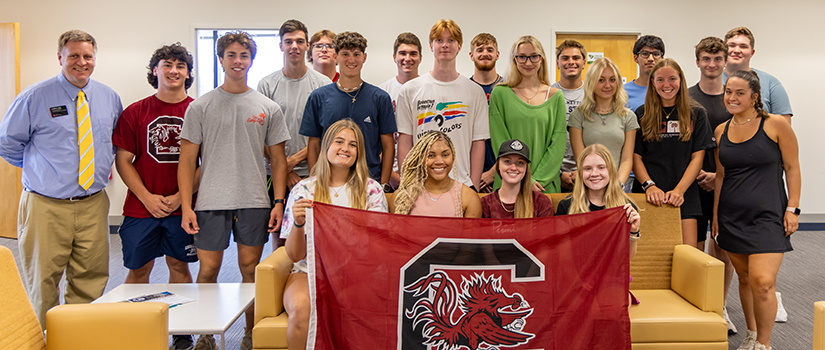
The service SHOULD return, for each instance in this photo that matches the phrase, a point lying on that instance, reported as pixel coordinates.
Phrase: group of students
(663, 142)
(329, 137)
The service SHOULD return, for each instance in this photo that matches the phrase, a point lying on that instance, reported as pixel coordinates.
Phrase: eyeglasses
(322, 46)
(533, 58)
(646, 54)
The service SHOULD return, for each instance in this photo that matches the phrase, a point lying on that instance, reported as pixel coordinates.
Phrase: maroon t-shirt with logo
(150, 129)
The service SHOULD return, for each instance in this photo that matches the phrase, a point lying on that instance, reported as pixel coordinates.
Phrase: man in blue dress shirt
(63, 214)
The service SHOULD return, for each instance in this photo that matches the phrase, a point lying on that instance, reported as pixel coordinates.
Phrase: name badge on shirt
(59, 111)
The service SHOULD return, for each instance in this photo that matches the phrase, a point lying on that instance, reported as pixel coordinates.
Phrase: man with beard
(484, 53)
(571, 57)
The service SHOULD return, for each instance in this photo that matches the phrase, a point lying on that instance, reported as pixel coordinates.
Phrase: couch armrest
(698, 278)
(132, 326)
(819, 325)
(270, 280)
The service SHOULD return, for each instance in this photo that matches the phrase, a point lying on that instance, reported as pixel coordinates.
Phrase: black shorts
(247, 226)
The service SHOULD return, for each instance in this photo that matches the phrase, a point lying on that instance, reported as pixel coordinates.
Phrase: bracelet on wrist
(299, 226)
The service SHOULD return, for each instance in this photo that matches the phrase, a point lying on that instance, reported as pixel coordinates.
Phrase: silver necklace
(439, 196)
(604, 117)
(431, 197)
(733, 120)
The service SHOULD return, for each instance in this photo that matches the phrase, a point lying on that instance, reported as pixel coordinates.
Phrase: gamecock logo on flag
(385, 281)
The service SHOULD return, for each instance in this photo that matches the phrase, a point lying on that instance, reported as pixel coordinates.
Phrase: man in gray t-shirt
(230, 127)
(290, 88)
(571, 57)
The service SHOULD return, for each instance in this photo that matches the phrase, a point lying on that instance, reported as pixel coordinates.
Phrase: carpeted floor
(160, 274)
(801, 281)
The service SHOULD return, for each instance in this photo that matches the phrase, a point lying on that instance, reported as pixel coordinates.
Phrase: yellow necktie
(85, 144)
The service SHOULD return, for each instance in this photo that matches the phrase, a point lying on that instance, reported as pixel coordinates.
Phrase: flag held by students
(385, 281)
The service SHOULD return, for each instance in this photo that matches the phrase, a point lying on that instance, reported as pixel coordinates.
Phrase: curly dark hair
(648, 40)
(350, 41)
(174, 52)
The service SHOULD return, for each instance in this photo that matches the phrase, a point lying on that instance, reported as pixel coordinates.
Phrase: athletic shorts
(144, 240)
(247, 226)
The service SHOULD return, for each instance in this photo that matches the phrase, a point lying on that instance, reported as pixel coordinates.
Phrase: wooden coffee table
(216, 307)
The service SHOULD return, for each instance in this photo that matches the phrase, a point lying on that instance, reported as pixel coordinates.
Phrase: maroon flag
(385, 281)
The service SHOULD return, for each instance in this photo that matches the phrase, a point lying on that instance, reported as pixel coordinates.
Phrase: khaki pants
(57, 235)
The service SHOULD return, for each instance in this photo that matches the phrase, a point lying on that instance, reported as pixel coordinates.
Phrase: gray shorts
(248, 226)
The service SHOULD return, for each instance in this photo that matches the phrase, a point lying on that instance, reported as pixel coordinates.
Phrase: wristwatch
(279, 200)
(796, 211)
(647, 184)
(388, 188)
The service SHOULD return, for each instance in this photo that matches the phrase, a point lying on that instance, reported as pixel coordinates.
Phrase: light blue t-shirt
(774, 96)
(635, 95)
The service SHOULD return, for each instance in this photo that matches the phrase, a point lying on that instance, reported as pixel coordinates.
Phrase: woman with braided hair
(426, 186)
(753, 215)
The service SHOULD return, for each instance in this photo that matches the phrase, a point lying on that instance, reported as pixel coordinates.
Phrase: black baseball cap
(514, 146)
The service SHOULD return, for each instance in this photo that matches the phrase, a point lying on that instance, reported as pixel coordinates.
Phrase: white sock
(752, 333)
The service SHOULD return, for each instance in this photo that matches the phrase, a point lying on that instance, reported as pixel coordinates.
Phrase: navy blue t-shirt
(372, 111)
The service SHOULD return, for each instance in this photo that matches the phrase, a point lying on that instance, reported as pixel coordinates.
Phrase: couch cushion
(664, 316)
(270, 333)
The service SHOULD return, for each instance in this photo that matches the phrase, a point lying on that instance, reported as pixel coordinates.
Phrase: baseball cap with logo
(514, 146)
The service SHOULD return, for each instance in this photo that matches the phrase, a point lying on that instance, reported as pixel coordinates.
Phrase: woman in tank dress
(340, 177)
(516, 197)
(603, 118)
(528, 109)
(671, 145)
(753, 216)
(426, 186)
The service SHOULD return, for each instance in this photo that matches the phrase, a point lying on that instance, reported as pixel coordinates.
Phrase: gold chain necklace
(505, 208)
(667, 116)
(338, 190)
(534, 95)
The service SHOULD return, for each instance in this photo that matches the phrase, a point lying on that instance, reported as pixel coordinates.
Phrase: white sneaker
(731, 326)
(749, 343)
(781, 314)
(759, 346)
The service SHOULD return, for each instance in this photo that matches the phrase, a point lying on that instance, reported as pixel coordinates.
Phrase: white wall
(787, 41)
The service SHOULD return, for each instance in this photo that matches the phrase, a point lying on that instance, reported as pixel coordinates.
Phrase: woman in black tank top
(753, 215)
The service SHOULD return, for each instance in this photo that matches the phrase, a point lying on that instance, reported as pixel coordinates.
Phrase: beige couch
(127, 326)
(680, 289)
